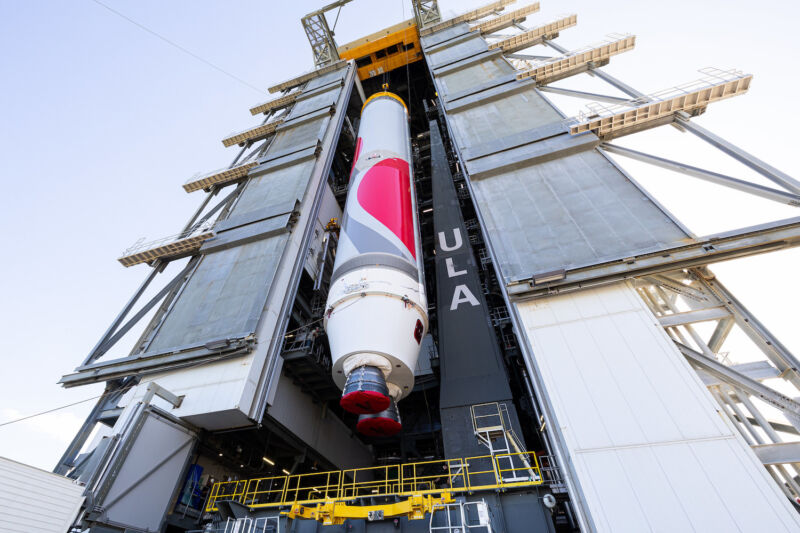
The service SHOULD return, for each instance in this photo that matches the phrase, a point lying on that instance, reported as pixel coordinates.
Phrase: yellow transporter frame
(426, 485)
(383, 51)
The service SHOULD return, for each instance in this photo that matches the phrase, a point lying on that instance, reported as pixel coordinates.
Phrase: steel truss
(106, 409)
(426, 12)
(320, 35)
(754, 390)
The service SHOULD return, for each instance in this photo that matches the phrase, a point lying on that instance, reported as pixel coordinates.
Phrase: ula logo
(461, 293)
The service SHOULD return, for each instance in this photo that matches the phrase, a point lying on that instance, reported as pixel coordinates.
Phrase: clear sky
(102, 122)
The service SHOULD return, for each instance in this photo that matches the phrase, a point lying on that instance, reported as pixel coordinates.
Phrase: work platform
(167, 248)
(218, 177)
(275, 104)
(534, 36)
(253, 134)
(576, 61)
(506, 20)
(413, 490)
(608, 122)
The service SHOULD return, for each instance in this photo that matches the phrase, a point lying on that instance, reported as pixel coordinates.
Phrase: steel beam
(707, 175)
(529, 57)
(111, 396)
(758, 371)
(700, 251)
(110, 341)
(772, 348)
(721, 332)
(137, 365)
(732, 377)
(778, 453)
(608, 78)
(691, 317)
(582, 94)
(766, 170)
(95, 352)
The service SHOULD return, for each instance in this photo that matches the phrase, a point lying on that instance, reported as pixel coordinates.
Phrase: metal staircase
(460, 517)
(492, 426)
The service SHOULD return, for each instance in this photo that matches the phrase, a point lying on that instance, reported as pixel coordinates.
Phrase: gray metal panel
(491, 84)
(243, 234)
(507, 115)
(325, 79)
(512, 140)
(142, 488)
(468, 61)
(449, 54)
(301, 135)
(223, 298)
(548, 200)
(275, 192)
(287, 157)
(517, 157)
(572, 211)
(474, 75)
(445, 35)
(319, 101)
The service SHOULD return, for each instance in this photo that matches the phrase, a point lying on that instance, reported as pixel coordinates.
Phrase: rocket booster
(376, 312)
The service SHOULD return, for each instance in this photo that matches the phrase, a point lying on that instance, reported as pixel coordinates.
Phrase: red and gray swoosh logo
(381, 216)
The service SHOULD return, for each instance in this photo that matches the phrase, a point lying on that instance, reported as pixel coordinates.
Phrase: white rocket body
(377, 309)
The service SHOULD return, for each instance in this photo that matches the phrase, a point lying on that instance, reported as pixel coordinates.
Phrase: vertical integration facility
(421, 298)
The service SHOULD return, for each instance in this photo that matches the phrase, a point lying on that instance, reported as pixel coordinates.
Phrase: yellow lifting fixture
(333, 512)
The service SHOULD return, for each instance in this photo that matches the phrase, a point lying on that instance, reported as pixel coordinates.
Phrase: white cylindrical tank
(376, 312)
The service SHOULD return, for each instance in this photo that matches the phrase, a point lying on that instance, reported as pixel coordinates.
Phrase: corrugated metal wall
(33, 500)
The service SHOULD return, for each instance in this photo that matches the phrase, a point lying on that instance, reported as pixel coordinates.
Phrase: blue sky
(102, 122)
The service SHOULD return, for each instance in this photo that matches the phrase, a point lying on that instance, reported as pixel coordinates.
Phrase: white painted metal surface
(32, 499)
(649, 447)
(377, 308)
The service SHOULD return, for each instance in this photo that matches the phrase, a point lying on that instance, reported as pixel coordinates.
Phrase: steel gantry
(320, 35)
(755, 390)
(577, 242)
(426, 12)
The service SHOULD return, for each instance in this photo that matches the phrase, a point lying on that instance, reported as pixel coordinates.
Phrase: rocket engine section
(377, 311)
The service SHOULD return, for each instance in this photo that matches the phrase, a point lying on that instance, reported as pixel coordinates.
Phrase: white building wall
(650, 449)
(34, 500)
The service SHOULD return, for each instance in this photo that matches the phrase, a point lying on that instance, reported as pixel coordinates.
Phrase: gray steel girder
(696, 252)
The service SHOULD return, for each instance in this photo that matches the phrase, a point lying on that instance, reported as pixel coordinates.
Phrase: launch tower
(542, 334)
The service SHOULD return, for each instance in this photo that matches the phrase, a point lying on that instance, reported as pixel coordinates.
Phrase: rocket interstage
(377, 311)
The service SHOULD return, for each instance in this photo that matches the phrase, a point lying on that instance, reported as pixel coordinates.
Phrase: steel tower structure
(567, 304)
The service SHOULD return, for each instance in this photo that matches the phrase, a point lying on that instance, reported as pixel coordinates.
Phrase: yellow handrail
(485, 472)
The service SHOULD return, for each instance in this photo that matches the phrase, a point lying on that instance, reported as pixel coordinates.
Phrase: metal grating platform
(274, 104)
(299, 80)
(612, 121)
(253, 134)
(172, 247)
(469, 16)
(535, 36)
(506, 20)
(576, 61)
(218, 177)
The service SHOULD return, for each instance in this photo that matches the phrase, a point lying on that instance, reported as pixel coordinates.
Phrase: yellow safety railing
(486, 472)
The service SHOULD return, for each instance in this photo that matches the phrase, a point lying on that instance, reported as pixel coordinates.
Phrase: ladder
(492, 426)
(263, 524)
(458, 519)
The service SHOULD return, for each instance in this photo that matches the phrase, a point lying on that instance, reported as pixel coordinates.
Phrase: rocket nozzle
(384, 424)
(365, 391)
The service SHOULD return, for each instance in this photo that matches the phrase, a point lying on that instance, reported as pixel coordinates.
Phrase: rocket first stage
(376, 312)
